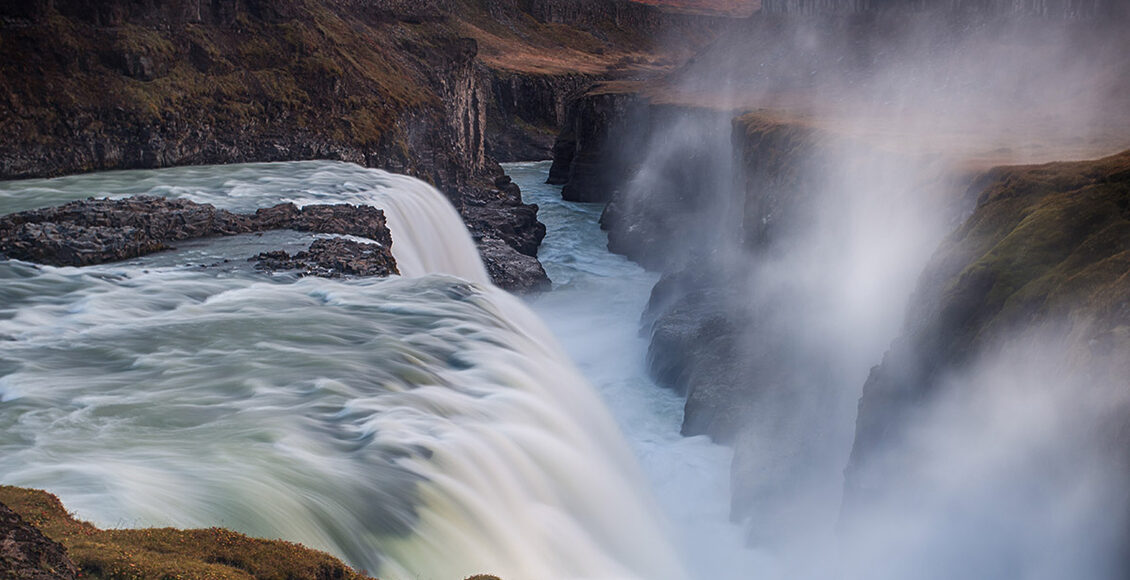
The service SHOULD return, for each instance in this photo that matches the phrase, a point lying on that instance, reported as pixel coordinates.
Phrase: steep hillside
(435, 89)
(1045, 256)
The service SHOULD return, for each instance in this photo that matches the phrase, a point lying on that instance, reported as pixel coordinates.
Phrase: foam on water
(420, 427)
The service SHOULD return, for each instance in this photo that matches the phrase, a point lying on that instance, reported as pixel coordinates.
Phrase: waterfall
(420, 427)
(432, 238)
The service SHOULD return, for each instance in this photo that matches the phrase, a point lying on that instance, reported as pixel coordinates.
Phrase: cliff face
(589, 155)
(438, 89)
(118, 85)
(1044, 257)
(121, 85)
(526, 111)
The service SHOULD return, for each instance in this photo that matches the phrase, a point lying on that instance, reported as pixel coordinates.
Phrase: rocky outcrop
(26, 554)
(331, 258)
(695, 321)
(527, 110)
(589, 156)
(124, 85)
(96, 231)
(1044, 256)
(510, 269)
(663, 169)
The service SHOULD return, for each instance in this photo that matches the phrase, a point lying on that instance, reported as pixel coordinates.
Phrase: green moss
(1045, 241)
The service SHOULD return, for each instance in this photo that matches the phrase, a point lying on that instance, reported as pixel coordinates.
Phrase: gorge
(866, 315)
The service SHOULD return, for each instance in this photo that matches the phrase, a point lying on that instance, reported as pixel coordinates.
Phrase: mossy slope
(1044, 256)
(171, 554)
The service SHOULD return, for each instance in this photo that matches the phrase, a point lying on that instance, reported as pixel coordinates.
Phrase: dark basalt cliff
(124, 85)
(438, 89)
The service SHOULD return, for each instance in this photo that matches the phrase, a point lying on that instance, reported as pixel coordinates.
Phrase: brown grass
(171, 554)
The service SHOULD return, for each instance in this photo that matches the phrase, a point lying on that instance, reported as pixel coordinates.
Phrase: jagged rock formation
(96, 231)
(511, 270)
(526, 112)
(588, 158)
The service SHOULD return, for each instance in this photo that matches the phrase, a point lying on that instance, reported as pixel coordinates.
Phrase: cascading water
(594, 310)
(420, 427)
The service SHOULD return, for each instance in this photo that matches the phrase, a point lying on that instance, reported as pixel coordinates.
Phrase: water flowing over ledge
(424, 426)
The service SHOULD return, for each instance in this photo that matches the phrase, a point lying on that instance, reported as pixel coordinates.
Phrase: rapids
(425, 426)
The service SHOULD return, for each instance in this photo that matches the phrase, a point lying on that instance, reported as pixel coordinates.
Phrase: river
(419, 426)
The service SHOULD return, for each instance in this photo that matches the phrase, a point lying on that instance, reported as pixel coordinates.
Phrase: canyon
(872, 222)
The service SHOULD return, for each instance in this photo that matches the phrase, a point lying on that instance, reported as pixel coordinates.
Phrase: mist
(1008, 473)
(811, 262)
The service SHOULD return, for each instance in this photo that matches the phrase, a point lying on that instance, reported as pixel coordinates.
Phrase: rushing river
(594, 310)
(425, 426)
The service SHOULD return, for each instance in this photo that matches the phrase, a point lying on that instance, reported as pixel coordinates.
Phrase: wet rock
(351, 220)
(96, 231)
(511, 270)
(76, 245)
(333, 258)
(506, 218)
(695, 325)
(27, 554)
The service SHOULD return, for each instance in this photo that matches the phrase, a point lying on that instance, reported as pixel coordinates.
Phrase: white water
(594, 309)
(420, 427)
